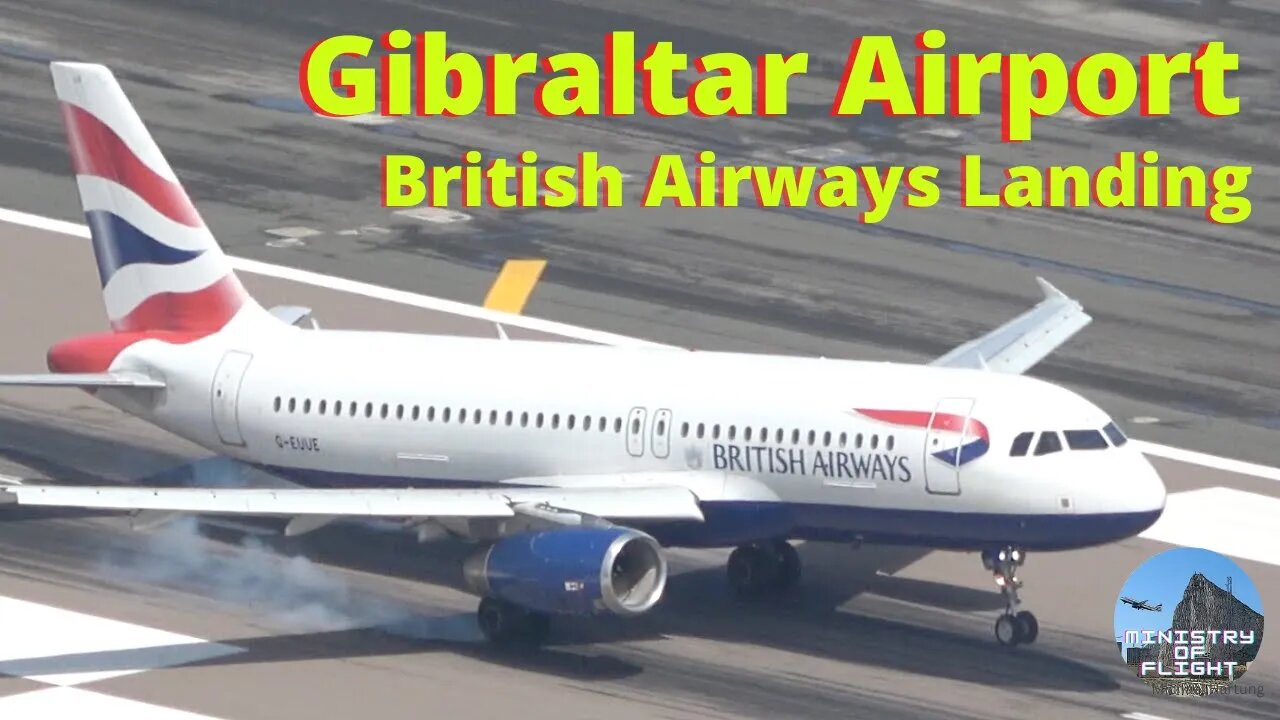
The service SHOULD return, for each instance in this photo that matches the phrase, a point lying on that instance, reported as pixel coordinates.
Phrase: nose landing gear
(1014, 627)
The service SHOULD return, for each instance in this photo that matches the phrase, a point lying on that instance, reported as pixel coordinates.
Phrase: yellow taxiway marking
(514, 285)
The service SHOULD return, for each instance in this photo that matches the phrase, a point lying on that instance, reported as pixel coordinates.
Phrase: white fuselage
(772, 445)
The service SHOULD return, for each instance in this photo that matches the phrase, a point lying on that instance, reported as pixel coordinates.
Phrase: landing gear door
(946, 439)
(225, 396)
(635, 431)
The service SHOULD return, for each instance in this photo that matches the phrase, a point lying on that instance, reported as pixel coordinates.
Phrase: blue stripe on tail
(118, 244)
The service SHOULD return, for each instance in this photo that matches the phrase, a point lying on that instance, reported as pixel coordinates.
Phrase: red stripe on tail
(202, 311)
(97, 150)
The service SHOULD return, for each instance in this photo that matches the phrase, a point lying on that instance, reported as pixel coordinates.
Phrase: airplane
(571, 466)
(1141, 604)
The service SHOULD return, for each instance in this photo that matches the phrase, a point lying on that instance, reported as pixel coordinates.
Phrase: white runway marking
(427, 302)
(61, 647)
(65, 702)
(1225, 520)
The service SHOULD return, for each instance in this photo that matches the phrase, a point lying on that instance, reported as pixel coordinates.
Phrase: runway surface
(371, 617)
(1185, 333)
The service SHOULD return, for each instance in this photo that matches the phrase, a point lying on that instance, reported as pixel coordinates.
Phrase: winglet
(1050, 292)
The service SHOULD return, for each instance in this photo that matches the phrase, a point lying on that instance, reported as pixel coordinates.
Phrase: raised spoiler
(637, 503)
(1019, 344)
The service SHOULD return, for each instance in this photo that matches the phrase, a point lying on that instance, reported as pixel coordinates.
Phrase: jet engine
(572, 570)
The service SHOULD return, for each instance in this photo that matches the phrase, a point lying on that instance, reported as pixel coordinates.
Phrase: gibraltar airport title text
(420, 75)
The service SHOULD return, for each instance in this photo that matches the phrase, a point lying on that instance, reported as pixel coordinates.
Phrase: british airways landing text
(822, 463)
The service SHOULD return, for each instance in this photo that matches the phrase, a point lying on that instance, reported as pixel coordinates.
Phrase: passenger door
(946, 435)
(225, 396)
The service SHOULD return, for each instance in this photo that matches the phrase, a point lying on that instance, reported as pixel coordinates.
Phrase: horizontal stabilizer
(651, 503)
(83, 380)
(1019, 344)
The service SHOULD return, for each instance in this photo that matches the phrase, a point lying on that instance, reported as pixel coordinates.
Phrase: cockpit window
(1085, 440)
(1021, 444)
(1049, 443)
(1113, 432)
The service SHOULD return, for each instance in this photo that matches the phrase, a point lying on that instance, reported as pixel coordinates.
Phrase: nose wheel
(1014, 626)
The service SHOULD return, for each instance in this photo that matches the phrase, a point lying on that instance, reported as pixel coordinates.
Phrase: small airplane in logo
(1141, 604)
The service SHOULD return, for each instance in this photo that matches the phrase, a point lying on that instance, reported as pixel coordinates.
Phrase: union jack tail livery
(160, 267)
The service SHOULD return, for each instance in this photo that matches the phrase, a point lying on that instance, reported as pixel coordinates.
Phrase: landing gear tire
(1028, 625)
(762, 568)
(505, 623)
(1014, 627)
(1008, 631)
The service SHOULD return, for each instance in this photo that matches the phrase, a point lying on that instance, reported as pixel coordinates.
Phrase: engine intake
(577, 570)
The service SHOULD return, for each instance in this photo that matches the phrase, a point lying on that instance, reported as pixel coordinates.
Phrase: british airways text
(822, 463)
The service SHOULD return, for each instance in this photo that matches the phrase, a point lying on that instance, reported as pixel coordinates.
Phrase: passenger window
(684, 430)
(1049, 443)
(493, 417)
(462, 416)
(569, 422)
(399, 411)
(715, 431)
(888, 443)
(662, 427)
(431, 413)
(733, 430)
(478, 416)
(445, 414)
(875, 440)
(509, 418)
(603, 422)
(764, 434)
(826, 439)
(351, 409)
(1113, 432)
(538, 421)
(617, 425)
(276, 404)
(1021, 444)
(857, 441)
(701, 430)
(795, 436)
(306, 406)
(555, 421)
(1085, 440)
(746, 434)
(368, 409)
(415, 413)
(844, 439)
(586, 422)
(635, 425)
(323, 404)
(384, 411)
(812, 436)
(780, 435)
(524, 419)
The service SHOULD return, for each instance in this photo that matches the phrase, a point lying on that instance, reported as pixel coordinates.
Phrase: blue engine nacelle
(572, 570)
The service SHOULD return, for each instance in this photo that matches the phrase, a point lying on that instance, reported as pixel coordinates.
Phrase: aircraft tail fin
(160, 267)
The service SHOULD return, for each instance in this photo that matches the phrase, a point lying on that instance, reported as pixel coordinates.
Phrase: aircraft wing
(83, 380)
(1025, 340)
(637, 503)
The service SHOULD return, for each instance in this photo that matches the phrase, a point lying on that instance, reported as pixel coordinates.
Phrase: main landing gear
(760, 568)
(505, 623)
(1014, 627)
